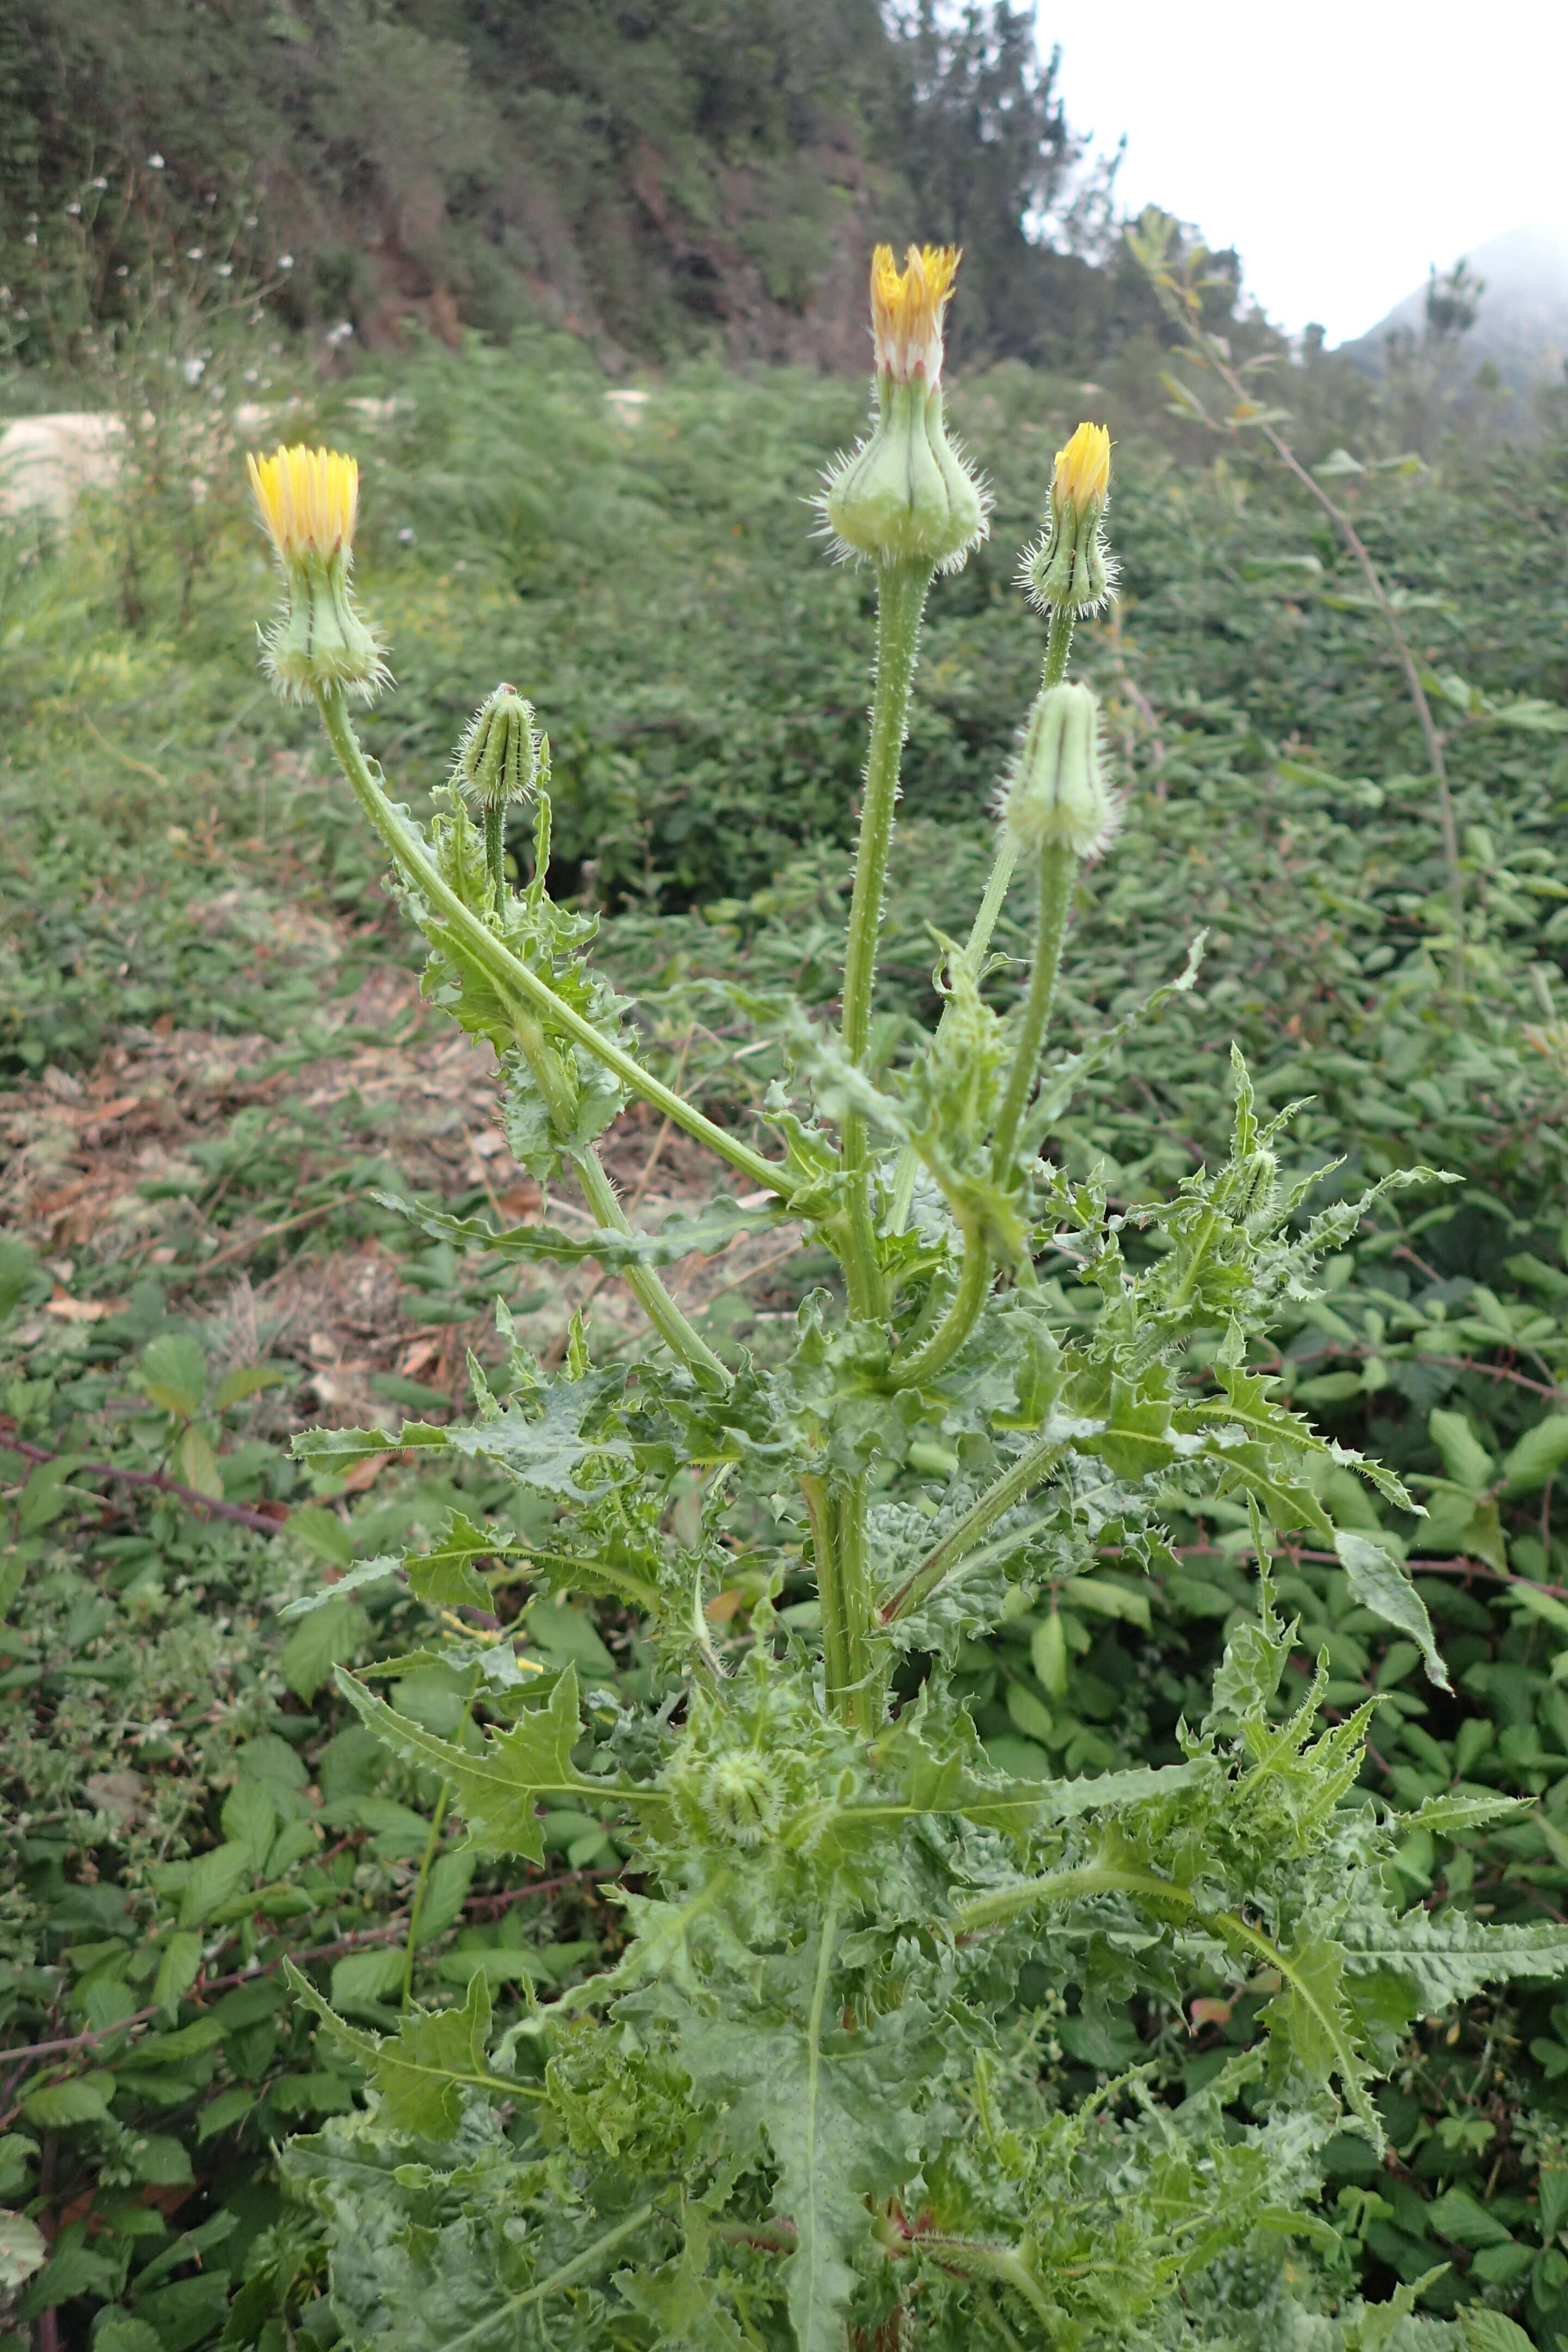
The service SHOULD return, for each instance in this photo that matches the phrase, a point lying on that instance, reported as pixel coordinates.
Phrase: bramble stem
(409, 849)
(1011, 1487)
(1058, 872)
(901, 601)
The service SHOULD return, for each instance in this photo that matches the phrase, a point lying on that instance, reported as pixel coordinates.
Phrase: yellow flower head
(907, 307)
(1083, 468)
(309, 499)
(319, 642)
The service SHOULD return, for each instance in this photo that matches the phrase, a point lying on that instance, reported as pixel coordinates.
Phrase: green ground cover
(213, 1064)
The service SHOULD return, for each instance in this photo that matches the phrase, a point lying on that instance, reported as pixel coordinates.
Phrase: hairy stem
(417, 1905)
(962, 1314)
(409, 850)
(643, 1282)
(1059, 644)
(495, 848)
(863, 1703)
(1058, 872)
(1029, 1470)
(901, 601)
(823, 1512)
(559, 1090)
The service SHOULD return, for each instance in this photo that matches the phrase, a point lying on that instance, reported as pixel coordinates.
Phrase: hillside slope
(698, 173)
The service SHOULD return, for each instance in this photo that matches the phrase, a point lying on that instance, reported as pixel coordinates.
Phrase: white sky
(1341, 146)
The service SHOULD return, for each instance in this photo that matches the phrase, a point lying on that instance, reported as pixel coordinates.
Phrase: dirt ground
(104, 1175)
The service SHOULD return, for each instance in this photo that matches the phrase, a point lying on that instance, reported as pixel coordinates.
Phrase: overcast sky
(1341, 146)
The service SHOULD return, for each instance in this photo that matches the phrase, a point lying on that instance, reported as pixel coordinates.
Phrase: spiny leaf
(1380, 1583)
(422, 2070)
(1452, 1957)
(712, 1228)
(498, 1791)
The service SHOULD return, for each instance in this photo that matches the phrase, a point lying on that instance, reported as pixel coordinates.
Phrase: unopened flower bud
(1249, 1186)
(742, 1799)
(1057, 791)
(498, 759)
(1071, 567)
(319, 642)
(905, 495)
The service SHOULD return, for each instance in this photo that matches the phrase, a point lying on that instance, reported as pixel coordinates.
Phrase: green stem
(641, 1280)
(431, 1842)
(495, 849)
(901, 601)
(862, 1698)
(1058, 872)
(1011, 1487)
(409, 849)
(581, 2266)
(1059, 644)
(822, 1507)
(963, 1312)
(1067, 1887)
(559, 1090)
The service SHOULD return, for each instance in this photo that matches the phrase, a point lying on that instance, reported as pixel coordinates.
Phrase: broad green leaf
(181, 1958)
(214, 1878)
(1459, 2215)
(58, 2105)
(174, 1374)
(1540, 1453)
(23, 2250)
(1380, 1583)
(249, 1381)
(250, 1817)
(194, 1464)
(221, 2114)
(319, 1643)
(17, 1267)
(321, 1533)
(1464, 1458)
(1481, 2330)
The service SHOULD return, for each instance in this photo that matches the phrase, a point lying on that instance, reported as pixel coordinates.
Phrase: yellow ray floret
(907, 308)
(308, 497)
(1083, 468)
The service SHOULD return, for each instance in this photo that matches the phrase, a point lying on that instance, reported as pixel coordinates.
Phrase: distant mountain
(1522, 326)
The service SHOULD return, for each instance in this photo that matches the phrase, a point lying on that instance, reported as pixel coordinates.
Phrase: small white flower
(155, 163)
